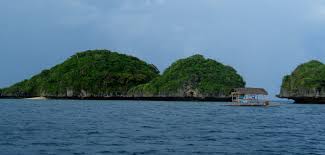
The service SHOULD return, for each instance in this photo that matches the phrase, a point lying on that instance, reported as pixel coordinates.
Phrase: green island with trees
(194, 76)
(103, 74)
(306, 84)
(93, 73)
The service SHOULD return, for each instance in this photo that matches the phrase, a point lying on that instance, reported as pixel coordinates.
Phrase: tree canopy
(205, 76)
(310, 75)
(94, 72)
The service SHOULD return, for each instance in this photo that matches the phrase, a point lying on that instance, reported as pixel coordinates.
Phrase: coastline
(305, 100)
(207, 99)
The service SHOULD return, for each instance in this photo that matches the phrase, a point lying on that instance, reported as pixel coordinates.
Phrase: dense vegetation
(197, 75)
(94, 73)
(310, 75)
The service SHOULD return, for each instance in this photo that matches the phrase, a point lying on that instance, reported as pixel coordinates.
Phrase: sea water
(147, 127)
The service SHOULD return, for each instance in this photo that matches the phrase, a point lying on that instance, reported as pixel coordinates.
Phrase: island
(194, 77)
(306, 84)
(92, 74)
(103, 74)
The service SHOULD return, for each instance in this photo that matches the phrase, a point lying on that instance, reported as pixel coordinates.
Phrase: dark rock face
(304, 95)
(306, 84)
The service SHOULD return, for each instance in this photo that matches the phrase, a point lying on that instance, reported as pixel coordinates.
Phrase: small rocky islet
(306, 84)
(103, 74)
(192, 77)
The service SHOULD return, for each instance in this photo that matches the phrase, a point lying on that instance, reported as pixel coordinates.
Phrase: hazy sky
(262, 39)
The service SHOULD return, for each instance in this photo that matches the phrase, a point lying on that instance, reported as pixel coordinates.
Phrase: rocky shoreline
(206, 99)
(304, 96)
(306, 100)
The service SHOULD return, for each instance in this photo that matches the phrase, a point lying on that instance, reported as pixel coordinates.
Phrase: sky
(262, 39)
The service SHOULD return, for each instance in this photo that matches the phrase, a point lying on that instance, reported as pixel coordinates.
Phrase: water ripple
(139, 127)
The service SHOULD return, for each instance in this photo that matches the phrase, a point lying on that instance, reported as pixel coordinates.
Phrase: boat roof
(250, 91)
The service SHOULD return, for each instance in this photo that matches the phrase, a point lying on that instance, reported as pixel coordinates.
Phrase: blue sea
(74, 127)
